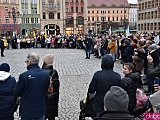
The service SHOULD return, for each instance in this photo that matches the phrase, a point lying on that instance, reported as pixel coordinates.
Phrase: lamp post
(14, 14)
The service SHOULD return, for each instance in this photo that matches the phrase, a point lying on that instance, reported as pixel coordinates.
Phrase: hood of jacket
(4, 75)
(107, 62)
(134, 76)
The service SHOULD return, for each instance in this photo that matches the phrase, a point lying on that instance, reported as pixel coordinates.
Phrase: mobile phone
(157, 80)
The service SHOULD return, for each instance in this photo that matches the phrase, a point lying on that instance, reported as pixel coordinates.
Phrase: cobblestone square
(74, 70)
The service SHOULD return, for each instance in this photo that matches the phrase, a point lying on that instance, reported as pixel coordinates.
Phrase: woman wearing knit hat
(7, 101)
(52, 97)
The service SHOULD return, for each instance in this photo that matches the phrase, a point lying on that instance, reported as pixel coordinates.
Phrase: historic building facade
(76, 16)
(105, 14)
(29, 17)
(148, 16)
(133, 16)
(52, 16)
(9, 21)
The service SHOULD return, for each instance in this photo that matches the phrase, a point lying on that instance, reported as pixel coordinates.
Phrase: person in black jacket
(130, 84)
(52, 97)
(7, 97)
(102, 81)
(2, 47)
(127, 53)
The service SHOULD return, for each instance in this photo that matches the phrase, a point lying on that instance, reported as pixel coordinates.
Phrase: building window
(72, 9)
(113, 11)
(43, 5)
(66, 8)
(34, 11)
(117, 19)
(23, 20)
(82, 9)
(108, 11)
(121, 11)
(76, 0)
(88, 11)
(97, 18)
(27, 20)
(88, 18)
(0, 20)
(92, 11)
(36, 20)
(112, 18)
(13, 1)
(51, 5)
(6, 19)
(58, 5)
(117, 11)
(51, 15)
(44, 16)
(58, 16)
(66, 0)
(32, 20)
(6, 9)
(97, 11)
(108, 18)
(76, 9)
(5, 1)
(92, 18)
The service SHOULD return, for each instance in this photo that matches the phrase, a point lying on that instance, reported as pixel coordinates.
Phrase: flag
(127, 31)
(110, 31)
(26, 34)
(45, 33)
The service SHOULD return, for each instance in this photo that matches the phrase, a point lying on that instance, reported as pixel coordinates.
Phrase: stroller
(87, 108)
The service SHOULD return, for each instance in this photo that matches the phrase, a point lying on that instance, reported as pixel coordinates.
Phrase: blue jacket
(7, 98)
(32, 88)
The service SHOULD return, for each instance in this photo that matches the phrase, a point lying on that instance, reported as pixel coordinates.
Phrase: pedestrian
(52, 97)
(32, 88)
(7, 97)
(130, 84)
(87, 44)
(115, 104)
(2, 47)
(102, 81)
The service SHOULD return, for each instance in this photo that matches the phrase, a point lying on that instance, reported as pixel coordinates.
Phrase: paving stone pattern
(74, 70)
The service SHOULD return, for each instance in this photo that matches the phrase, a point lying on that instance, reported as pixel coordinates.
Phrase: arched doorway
(52, 29)
(24, 31)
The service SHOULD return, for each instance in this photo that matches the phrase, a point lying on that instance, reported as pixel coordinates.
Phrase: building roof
(107, 3)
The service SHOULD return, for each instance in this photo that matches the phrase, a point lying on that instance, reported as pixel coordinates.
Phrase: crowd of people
(115, 97)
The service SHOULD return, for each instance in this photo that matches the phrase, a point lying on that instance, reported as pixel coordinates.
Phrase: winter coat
(155, 55)
(7, 98)
(153, 72)
(130, 84)
(127, 54)
(114, 115)
(32, 88)
(137, 60)
(112, 46)
(52, 99)
(101, 83)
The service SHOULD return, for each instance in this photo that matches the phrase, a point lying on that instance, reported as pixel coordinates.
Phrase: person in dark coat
(130, 84)
(102, 81)
(32, 88)
(88, 44)
(127, 53)
(52, 98)
(115, 105)
(7, 97)
(2, 47)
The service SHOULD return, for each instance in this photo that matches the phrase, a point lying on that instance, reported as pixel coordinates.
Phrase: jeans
(150, 82)
(40, 118)
(88, 50)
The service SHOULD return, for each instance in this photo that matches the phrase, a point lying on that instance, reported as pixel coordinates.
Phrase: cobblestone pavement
(75, 75)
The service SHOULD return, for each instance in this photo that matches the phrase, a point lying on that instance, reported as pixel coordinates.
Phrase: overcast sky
(132, 1)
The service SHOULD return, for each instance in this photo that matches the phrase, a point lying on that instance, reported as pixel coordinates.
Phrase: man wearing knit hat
(115, 104)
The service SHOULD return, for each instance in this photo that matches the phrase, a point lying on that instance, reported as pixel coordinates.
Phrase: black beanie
(4, 67)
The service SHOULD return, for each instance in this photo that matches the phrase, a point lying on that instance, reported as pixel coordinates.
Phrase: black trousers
(2, 50)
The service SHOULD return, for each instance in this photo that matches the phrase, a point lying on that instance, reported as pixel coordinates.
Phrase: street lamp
(14, 14)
